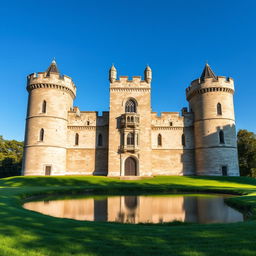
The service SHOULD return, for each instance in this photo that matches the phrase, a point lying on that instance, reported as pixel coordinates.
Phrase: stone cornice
(44, 146)
(31, 87)
(167, 127)
(46, 116)
(214, 118)
(132, 89)
(220, 147)
(81, 127)
(192, 92)
(173, 149)
(84, 148)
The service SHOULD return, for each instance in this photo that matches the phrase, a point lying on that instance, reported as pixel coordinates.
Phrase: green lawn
(28, 233)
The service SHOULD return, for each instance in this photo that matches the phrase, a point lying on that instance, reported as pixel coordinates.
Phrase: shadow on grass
(33, 234)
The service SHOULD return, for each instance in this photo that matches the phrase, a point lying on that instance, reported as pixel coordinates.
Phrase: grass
(29, 233)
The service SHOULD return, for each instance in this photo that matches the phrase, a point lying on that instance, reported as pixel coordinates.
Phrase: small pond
(141, 208)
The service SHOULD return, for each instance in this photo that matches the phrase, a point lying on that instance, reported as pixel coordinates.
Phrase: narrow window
(171, 123)
(219, 110)
(132, 119)
(221, 137)
(183, 140)
(88, 122)
(77, 139)
(44, 107)
(159, 140)
(130, 138)
(130, 106)
(128, 119)
(122, 139)
(100, 141)
(41, 135)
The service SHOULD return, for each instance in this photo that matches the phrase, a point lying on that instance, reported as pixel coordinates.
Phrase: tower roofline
(52, 68)
(208, 73)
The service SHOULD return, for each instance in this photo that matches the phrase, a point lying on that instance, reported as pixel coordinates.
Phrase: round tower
(50, 98)
(211, 100)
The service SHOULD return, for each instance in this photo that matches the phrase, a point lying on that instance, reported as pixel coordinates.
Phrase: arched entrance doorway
(130, 167)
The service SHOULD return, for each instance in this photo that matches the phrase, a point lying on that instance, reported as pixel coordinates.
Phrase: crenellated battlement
(87, 118)
(200, 86)
(124, 81)
(135, 82)
(51, 80)
(130, 139)
(169, 119)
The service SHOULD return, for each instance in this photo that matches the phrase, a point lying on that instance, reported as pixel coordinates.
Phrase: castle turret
(50, 98)
(148, 74)
(112, 74)
(211, 100)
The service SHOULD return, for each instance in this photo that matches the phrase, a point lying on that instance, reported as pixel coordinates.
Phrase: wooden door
(224, 170)
(48, 170)
(130, 167)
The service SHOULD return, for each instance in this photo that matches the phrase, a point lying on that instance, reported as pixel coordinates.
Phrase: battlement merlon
(173, 119)
(200, 85)
(87, 118)
(125, 82)
(52, 80)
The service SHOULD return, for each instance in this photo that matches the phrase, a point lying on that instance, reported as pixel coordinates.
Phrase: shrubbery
(10, 157)
(246, 143)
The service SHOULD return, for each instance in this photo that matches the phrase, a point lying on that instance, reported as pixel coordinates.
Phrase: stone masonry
(130, 139)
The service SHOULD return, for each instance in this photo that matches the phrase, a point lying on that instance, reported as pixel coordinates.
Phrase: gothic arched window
(159, 140)
(44, 107)
(100, 141)
(41, 135)
(219, 109)
(77, 139)
(130, 106)
(221, 137)
(183, 140)
(130, 138)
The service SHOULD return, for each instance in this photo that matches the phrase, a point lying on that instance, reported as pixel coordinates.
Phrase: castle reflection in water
(136, 209)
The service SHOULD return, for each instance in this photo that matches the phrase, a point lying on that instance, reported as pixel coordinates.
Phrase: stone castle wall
(84, 143)
(88, 157)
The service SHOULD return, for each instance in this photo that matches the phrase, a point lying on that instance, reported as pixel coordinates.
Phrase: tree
(246, 143)
(10, 157)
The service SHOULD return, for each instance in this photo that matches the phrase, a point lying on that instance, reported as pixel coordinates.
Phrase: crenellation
(129, 139)
(56, 81)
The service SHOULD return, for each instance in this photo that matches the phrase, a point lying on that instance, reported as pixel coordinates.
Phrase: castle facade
(130, 139)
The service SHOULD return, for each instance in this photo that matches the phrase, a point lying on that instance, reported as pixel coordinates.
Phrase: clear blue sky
(175, 38)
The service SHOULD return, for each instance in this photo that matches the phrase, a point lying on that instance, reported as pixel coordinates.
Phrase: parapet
(172, 119)
(200, 86)
(87, 118)
(52, 80)
(166, 119)
(125, 82)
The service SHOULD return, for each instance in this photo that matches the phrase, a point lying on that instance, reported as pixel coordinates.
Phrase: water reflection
(135, 209)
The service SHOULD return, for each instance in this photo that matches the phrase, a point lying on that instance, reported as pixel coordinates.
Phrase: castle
(130, 139)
